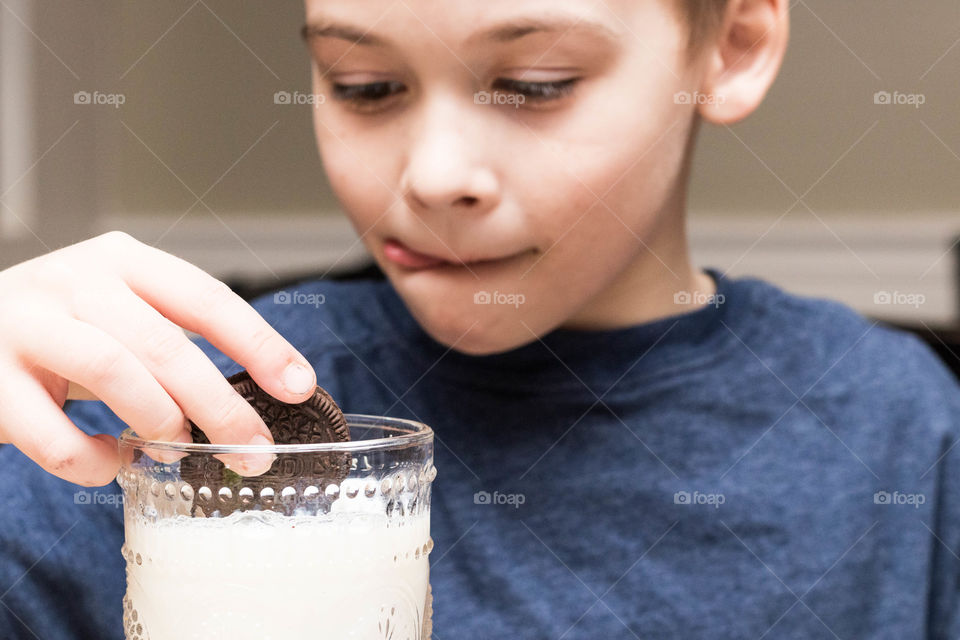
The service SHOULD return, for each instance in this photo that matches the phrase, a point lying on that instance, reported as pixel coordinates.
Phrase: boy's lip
(399, 253)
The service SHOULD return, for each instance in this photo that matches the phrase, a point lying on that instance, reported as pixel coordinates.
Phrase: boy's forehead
(465, 22)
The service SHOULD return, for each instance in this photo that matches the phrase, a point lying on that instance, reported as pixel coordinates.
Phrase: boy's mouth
(404, 256)
(401, 254)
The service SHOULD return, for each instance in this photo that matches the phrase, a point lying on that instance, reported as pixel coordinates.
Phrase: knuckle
(218, 296)
(264, 339)
(103, 367)
(17, 320)
(88, 300)
(52, 272)
(163, 343)
(230, 412)
(170, 425)
(116, 238)
(115, 248)
(57, 456)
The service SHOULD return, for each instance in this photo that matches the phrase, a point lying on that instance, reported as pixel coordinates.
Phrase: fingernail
(254, 464)
(169, 457)
(297, 378)
(260, 440)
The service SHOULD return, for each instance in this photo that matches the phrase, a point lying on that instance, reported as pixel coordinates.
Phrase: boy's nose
(475, 193)
(445, 173)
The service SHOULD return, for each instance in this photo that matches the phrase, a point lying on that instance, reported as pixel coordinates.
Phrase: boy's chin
(484, 347)
(477, 333)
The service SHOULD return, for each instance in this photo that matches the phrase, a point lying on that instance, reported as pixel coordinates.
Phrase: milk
(260, 575)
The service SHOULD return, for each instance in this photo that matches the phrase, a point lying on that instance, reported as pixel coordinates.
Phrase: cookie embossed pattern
(332, 541)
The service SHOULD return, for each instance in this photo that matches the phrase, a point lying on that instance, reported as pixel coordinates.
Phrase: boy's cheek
(363, 193)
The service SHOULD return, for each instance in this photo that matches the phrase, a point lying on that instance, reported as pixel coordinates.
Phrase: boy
(627, 446)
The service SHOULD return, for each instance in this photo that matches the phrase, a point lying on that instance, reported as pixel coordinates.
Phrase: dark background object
(945, 341)
(249, 289)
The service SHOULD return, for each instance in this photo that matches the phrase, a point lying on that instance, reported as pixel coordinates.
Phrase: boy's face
(535, 145)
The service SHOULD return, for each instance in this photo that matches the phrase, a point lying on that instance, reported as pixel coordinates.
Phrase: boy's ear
(744, 59)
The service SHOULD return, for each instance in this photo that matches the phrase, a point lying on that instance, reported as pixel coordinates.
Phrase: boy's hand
(101, 317)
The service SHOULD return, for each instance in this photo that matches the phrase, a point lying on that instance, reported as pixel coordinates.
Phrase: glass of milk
(332, 542)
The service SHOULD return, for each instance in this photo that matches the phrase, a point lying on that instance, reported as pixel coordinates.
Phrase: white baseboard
(852, 258)
(849, 258)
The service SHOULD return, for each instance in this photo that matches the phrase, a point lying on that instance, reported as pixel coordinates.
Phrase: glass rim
(420, 434)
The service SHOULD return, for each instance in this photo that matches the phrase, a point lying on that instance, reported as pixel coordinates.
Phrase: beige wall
(199, 98)
(203, 95)
(841, 54)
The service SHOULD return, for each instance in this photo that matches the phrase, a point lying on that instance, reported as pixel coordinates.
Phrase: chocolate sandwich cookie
(316, 420)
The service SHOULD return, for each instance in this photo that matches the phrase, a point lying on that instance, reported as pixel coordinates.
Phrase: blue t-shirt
(768, 467)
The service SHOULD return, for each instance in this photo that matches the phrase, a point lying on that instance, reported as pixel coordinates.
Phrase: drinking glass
(332, 542)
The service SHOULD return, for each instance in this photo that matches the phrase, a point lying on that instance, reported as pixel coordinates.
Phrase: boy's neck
(646, 290)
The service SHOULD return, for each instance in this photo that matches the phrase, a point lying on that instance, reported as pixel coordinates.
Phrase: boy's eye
(367, 95)
(374, 96)
(539, 91)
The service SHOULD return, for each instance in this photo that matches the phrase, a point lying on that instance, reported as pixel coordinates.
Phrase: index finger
(195, 300)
